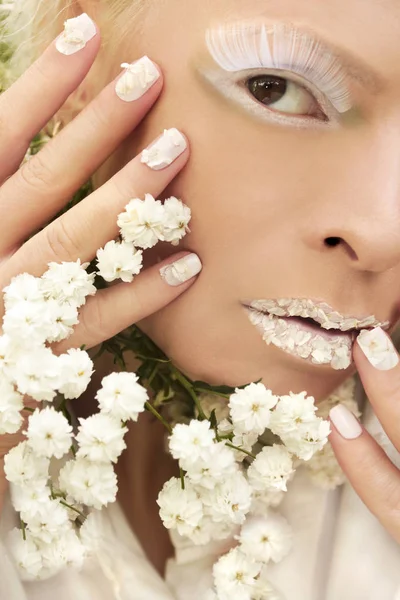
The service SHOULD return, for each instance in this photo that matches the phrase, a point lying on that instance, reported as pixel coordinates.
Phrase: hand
(374, 477)
(31, 194)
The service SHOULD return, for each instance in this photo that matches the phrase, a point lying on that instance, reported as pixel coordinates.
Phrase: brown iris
(267, 89)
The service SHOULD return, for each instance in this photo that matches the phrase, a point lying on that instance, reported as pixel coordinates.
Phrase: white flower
(29, 498)
(176, 219)
(271, 469)
(93, 484)
(229, 500)
(100, 438)
(49, 522)
(251, 408)
(235, 576)
(122, 396)
(76, 369)
(37, 374)
(180, 509)
(142, 222)
(22, 288)
(266, 538)
(22, 466)
(28, 321)
(65, 551)
(245, 441)
(309, 438)
(119, 260)
(291, 412)
(62, 318)
(324, 469)
(11, 403)
(49, 433)
(191, 443)
(68, 282)
(26, 554)
(262, 500)
(219, 463)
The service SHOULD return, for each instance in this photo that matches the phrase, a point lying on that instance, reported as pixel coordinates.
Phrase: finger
(373, 476)
(38, 94)
(68, 161)
(84, 229)
(113, 309)
(378, 365)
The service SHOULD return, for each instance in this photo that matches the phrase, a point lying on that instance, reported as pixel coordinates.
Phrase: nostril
(332, 241)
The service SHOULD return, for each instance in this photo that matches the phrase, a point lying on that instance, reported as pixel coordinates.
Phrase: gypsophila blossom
(266, 538)
(176, 220)
(271, 469)
(10, 350)
(229, 500)
(49, 522)
(291, 412)
(28, 321)
(76, 369)
(62, 317)
(191, 443)
(29, 498)
(180, 509)
(119, 260)
(219, 462)
(91, 483)
(11, 403)
(68, 282)
(122, 396)
(26, 554)
(23, 287)
(65, 551)
(101, 438)
(37, 374)
(49, 433)
(142, 222)
(308, 439)
(235, 576)
(22, 466)
(250, 408)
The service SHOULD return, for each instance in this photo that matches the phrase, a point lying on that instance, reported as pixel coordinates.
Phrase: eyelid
(239, 46)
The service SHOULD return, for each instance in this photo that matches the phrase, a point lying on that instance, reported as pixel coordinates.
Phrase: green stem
(72, 508)
(157, 415)
(185, 383)
(182, 476)
(240, 449)
(29, 409)
(23, 527)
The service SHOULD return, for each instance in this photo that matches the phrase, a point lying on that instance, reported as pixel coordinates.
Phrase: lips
(308, 330)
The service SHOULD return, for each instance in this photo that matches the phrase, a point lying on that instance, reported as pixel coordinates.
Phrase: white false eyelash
(248, 46)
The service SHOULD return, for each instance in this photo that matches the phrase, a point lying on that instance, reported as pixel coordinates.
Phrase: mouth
(312, 331)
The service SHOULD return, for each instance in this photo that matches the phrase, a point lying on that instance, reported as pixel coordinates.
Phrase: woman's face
(293, 180)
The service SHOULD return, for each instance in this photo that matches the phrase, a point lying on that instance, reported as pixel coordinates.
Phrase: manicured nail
(378, 348)
(181, 270)
(77, 33)
(345, 422)
(165, 150)
(137, 78)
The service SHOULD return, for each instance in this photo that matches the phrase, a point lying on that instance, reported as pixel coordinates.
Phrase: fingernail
(77, 33)
(181, 270)
(165, 150)
(345, 422)
(378, 348)
(137, 79)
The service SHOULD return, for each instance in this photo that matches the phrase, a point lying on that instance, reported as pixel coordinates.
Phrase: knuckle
(61, 244)
(93, 322)
(35, 173)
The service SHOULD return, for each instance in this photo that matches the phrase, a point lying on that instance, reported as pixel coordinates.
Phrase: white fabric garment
(340, 552)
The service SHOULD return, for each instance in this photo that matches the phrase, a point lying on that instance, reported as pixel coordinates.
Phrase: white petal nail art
(378, 348)
(165, 150)
(137, 79)
(77, 33)
(181, 270)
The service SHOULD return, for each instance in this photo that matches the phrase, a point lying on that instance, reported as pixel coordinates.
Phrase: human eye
(284, 95)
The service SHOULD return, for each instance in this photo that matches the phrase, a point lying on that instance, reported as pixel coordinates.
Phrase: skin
(260, 218)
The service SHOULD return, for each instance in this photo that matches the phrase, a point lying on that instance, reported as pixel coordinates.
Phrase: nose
(357, 211)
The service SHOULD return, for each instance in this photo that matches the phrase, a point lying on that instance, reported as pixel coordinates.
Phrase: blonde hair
(32, 24)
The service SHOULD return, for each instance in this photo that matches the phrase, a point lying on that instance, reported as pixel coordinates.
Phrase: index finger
(39, 93)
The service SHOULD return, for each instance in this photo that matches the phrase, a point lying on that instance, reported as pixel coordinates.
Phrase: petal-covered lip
(318, 311)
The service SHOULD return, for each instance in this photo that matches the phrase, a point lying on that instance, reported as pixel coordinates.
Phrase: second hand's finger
(373, 476)
(378, 365)
(113, 309)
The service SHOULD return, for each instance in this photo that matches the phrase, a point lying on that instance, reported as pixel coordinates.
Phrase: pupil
(267, 89)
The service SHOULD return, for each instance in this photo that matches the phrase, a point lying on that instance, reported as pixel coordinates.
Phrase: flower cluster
(219, 495)
(143, 224)
(39, 311)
